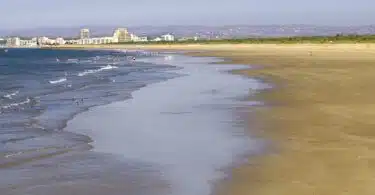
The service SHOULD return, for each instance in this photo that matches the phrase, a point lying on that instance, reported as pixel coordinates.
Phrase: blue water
(40, 90)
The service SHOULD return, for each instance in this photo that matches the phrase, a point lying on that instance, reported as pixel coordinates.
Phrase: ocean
(40, 90)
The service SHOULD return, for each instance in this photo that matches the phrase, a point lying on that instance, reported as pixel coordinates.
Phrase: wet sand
(320, 120)
(320, 117)
(187, 128)
(81, 172)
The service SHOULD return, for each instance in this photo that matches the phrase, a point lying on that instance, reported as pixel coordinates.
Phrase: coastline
(319, 117)
(37, 149)
(172, 121)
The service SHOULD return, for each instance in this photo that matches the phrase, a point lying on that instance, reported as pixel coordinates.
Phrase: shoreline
(319, 118)
(102, 141)
(309, 157)
(74, 147)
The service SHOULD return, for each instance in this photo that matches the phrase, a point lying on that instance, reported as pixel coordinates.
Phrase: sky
(17, 14)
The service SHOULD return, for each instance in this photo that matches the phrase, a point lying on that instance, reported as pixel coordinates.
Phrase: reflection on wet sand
(82, 173)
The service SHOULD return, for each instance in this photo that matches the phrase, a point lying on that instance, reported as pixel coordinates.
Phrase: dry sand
(322, 118)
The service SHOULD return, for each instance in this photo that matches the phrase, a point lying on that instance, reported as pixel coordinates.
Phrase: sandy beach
(319, 118)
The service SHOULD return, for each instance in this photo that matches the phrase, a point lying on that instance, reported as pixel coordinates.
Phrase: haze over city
(67, 13)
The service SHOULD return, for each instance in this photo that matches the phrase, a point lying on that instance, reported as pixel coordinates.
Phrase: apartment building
(84, 33)
(121, 35)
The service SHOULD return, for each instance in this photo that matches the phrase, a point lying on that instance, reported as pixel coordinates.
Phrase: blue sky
(47, 13)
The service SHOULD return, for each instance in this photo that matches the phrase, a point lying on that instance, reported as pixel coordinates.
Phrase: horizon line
(180, 25)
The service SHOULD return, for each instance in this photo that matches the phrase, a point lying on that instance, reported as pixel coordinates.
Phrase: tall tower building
(84, 34)
(121, 35)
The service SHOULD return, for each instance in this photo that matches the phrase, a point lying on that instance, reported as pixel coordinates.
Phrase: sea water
(41, 89)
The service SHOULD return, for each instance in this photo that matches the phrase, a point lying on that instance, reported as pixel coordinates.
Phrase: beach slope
(320, 117)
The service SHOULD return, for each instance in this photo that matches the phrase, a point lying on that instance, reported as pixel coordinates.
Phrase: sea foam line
(58, 81)
(9, 96)
(16, 104)
(86, 72)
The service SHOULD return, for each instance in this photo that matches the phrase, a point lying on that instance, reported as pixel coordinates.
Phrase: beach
(319, 117)
(310, 133)
(100, 123)
(319, 120)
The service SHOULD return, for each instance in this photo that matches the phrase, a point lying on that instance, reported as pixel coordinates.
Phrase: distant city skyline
(67, 13)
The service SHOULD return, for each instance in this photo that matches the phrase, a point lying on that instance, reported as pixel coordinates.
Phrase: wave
(10, 95)
(73, 60)
(86, 72)
(27, 101)
(58, 81)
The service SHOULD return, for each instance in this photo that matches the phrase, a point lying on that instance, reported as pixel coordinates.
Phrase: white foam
(177, 124)
(10, 95)
(86, 72)
(17, 104)
(58, 81)
(72, 60)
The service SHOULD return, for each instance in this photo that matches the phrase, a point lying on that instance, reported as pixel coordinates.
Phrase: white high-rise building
(121, 35)
(167, 37)
(84, 33)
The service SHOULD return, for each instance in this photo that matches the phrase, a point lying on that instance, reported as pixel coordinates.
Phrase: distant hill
(228, 31)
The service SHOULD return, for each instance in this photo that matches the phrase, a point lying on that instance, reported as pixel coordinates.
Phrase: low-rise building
(13, 42)
(195, 38)
(143, 39)
(51, 42)
(84, 41)
(72, 42)
(96, 40)
(27, 43)
(136, 38)
(60, 41)
(157, 39)
(2, 42)
(18, 42)
(43, 40)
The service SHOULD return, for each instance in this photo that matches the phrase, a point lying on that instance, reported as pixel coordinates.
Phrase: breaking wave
(10, 95)
(86, 72)
(12, 105)
(58, 81)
